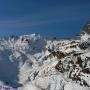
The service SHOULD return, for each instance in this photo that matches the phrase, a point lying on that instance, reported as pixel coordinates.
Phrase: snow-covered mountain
(33, 62)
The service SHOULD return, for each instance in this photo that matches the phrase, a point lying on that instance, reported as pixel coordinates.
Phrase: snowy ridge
(31, 62)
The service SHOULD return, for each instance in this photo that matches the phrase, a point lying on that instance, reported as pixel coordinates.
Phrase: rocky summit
(33, 62)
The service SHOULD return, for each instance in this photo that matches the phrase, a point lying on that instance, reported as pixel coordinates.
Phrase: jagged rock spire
(87, 27)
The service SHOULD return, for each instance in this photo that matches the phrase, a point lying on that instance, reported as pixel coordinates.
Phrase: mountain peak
(87, 27)
(29, 61)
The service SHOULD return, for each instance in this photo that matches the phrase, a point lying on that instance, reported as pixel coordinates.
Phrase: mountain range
(34, 62)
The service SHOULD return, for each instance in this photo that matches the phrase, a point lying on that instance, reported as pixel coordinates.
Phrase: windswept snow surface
(32, 62)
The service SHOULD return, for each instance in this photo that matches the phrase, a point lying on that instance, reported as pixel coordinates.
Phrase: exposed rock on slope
(31, 62)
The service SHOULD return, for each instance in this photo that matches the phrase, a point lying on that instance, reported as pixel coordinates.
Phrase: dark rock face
(87, 28)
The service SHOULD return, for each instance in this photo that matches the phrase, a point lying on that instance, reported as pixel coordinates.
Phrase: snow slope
(32, 62)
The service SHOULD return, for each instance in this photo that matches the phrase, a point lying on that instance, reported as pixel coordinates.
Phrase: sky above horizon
(60, 18)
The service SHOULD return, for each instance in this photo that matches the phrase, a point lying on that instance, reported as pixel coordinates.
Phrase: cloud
(26, 23)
